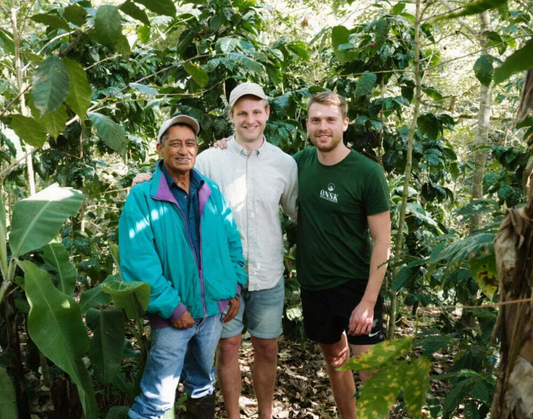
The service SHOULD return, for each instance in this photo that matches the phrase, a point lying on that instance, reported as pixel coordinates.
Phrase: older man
(177, 234)
(255, 177)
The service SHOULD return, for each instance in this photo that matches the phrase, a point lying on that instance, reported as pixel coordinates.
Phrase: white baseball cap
(183, 119)
(246, 89)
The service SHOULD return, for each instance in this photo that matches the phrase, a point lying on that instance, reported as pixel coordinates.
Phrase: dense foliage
(84, 87)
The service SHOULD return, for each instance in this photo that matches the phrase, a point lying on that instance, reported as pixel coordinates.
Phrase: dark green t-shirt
(333, 242)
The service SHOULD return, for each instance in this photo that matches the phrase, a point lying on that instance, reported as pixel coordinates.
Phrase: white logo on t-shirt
(329, 195)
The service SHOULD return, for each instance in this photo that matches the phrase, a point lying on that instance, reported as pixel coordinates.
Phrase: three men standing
(343, 196)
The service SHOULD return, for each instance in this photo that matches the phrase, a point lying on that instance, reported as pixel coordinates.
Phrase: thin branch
(14, 100)
(460, 20)
(17, 162)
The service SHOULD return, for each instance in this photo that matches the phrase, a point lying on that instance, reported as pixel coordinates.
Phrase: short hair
(330, 98)
(177, 124)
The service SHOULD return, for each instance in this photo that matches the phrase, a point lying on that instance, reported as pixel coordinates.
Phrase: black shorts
(327, 314)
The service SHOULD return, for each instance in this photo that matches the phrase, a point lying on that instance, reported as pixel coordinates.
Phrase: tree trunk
(513, 397)
(482, 135)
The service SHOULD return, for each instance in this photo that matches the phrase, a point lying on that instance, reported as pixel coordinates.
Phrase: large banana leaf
(37, 219)
(56, 255)
(107, 345)
(56, 327)
(94, 297)
(8, 399)
(132, 296)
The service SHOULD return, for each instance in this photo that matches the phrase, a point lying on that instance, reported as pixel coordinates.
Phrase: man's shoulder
(281, 158)
(307, 153)
(363, 162)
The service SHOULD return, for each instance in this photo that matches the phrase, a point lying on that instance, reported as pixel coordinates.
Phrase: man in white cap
(178, 235)
(255, 177)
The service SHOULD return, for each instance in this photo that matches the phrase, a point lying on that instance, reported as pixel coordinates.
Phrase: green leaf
(50, 85)
(483, 270)
(8, 401)
(132, 296)
(398, 8)
(108, 25)
(477, 7)
(118, 412)
(476, 207)
(483, 69)
(6, 42)
(29, 130)
(382, 32)
(416, 386)
(365, 84)
(80, 92)
(520, 60)
(161, 7)
(431, 344)
(123, 46)
(56, 255)
(75, 14)
(107, 345)
(227, 44)
(455, 397)
(247, 62)
(466, 248)
(52, 20)
(56, 327)
(433, 93)
(379, 355)
(143, 32)
(143, 88)
(482, 391)
(109, 131)
(197, 73)
(299, 48)
(53, 122)
(470, 411)
(340, 35)
(495, 40)
(131, 9)
(379, 393)
(93, 298)
(37, 219)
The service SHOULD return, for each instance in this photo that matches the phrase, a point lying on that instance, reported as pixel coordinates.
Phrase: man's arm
(363, 315)
(289, 197)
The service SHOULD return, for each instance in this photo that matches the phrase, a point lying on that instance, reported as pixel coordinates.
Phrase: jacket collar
(160, 190)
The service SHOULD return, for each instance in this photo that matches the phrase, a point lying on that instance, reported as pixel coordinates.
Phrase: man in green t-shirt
(342, 246)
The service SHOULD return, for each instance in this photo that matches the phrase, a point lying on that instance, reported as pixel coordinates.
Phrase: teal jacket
(155, 248)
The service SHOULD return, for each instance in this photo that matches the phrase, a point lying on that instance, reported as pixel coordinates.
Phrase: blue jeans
(173, 350)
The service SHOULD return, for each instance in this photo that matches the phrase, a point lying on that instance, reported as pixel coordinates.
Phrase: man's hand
(362, 319)
(184, 322)
(234, 305)
(140, 178)
(222, 144)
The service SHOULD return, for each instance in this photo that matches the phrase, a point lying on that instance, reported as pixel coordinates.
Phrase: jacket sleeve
(139, 260)
(289, 197)
(234, 240)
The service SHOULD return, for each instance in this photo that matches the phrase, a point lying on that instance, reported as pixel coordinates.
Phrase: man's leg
(227, 361)
(264, 312)
(229, 374)
(264, 374)
(342, 382)
(162, 373)
(198, 370)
